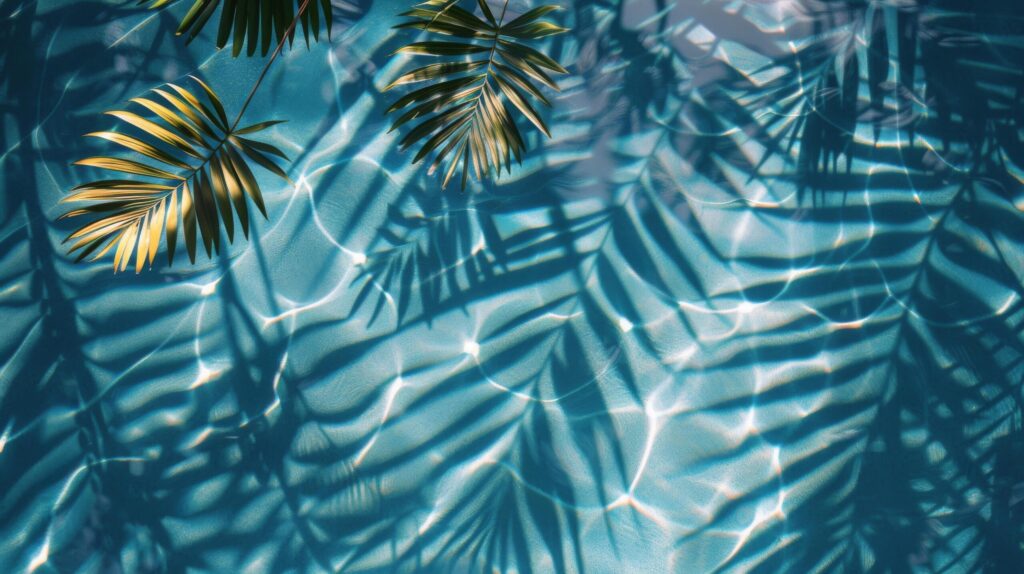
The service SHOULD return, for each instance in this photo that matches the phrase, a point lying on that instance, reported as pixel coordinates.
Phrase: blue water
(755, 307)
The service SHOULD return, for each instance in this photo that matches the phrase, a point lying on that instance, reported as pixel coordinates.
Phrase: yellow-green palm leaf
(262, 22)
(189, 171)
(463, 112)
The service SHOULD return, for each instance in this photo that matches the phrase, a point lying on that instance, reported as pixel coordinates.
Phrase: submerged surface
(755, 307)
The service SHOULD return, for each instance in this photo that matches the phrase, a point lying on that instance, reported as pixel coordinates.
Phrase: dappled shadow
(644, 346)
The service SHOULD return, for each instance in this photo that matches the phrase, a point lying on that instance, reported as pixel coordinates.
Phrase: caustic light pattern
(755, 306)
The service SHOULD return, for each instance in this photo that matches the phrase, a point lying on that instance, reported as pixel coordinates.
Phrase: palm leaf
(262, 22)
(197, 176)
(464, 111)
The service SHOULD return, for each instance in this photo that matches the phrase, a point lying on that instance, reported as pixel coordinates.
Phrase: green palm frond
(196, 175)
(463, 109)
(263, 22)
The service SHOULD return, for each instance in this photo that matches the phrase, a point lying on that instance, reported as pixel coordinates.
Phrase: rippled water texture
(756, 307)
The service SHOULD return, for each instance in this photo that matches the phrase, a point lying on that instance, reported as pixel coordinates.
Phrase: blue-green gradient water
(756, 306)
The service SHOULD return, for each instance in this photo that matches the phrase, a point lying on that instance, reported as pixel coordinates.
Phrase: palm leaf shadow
(933, 367)
(55, 371)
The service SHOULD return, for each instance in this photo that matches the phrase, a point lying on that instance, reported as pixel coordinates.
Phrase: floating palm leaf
(465, 101)
(257, 20)
(194, 176)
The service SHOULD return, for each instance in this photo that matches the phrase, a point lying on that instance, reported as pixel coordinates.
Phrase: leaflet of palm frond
(192, 172)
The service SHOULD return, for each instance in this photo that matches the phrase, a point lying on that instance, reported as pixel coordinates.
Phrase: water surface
(755, 307)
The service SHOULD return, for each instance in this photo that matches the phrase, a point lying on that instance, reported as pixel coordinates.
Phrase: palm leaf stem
(487, 75)
(490, 58)
(266, 67)
(494, 46)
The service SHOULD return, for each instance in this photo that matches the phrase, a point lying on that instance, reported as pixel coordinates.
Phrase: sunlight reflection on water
(673, 339)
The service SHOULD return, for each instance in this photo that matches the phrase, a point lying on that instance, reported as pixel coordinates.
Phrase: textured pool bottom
(645, 350)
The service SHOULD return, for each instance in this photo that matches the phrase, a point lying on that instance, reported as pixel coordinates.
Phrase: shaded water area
(756, 306)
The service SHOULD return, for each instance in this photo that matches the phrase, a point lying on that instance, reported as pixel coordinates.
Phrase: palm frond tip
(196, 175)
(263, 22)
(463, 112)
